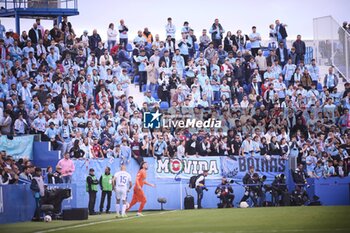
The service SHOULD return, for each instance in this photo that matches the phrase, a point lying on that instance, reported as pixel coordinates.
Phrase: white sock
(117, 208)
(123, 209)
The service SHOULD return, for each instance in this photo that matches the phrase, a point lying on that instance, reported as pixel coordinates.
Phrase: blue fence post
(18, 19)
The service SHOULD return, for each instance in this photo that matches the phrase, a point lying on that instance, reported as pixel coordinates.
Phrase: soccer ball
(127, 205)
(47, 218)
(243, 204)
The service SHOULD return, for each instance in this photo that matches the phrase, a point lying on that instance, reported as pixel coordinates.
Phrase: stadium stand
(73, 92)
(69, 89)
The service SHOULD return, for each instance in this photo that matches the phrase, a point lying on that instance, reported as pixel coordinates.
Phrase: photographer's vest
(93, 186)
(106, 182)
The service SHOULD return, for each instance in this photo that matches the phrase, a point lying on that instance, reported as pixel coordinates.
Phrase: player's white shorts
(121, 193)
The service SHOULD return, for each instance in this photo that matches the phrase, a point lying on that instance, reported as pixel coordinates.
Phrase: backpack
(192, 182)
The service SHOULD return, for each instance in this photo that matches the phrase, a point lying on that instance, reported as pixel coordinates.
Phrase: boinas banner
(233, 168)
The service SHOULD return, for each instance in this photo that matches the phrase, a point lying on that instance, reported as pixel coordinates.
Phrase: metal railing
(332, 44)
(35, 4)
(309, 55)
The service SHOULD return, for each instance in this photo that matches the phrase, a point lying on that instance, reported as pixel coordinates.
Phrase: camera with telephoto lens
(229, 182)
(280, 177)
(263, 179)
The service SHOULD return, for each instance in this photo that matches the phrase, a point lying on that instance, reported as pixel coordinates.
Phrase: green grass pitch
(254, 220)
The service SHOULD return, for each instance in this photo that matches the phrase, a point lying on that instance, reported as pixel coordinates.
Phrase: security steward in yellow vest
(91, 188)
(106, 187)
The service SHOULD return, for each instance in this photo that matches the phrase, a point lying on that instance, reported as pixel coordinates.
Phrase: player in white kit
(121, 185)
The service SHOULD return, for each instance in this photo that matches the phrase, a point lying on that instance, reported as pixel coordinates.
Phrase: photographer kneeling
(224, 191)
(256, 194)
(253, 188)
(280, 191)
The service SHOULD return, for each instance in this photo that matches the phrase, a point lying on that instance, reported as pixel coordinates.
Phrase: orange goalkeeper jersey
(140, 178)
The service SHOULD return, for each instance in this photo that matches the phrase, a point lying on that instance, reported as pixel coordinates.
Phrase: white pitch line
(99, 222)
(282, 230)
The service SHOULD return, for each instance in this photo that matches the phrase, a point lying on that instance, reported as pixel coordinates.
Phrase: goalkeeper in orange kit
(139, 195)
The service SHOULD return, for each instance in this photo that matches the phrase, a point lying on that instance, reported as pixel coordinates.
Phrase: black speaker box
(75, 214)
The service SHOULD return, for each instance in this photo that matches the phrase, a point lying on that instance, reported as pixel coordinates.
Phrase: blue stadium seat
(148, 46)
(155, 95)
(154, 92)
(214, 102)
(129, 47)
(196, 47)
(164, 105)
(266, 53)
(272, 46)
(136, 79)
(319, 87)
(144, 88)
(248, 46)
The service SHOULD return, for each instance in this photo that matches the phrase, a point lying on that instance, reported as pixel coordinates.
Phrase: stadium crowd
(74, 91)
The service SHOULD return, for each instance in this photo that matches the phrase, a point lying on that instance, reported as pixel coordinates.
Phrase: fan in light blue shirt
(311, 161)
(202, 77)
(142, 60)
(255, 39)
(314, 71)
(51, 59)
(159, 147)
(125, 153)
(318, 170)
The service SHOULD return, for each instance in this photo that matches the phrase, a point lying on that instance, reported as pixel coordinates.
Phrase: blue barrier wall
(43, 156)
(331, 191)
(17, 202)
